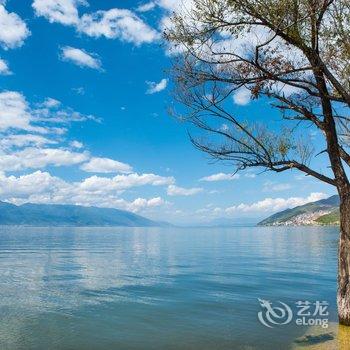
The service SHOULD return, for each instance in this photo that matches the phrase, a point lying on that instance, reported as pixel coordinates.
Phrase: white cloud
(26, 185)
(173, 5)
(24, 146)
(27, 131)
(148, 6)
(21, 140)
(123, 182)
(140, 204)
(76, 144)
(50, 103)
(274, 204)
(13, 30)
(80, 57)
(41, 187)
(17, 114)
(14, 112)
(174, 190)
(154, 87)
(220, 177)
(35, 158)
(60, 11)
(4, 68)
(242, 97)
(117, 23)
(52, 115)
(105, 165)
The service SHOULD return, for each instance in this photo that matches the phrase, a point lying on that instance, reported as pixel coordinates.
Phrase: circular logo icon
(274, 315)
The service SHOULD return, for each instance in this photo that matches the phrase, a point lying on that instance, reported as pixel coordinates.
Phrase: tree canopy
(294, 52)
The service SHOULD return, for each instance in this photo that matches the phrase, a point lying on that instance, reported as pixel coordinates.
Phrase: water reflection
(103, 288)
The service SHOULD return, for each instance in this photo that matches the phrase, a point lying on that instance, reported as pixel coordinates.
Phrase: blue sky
(83, 117)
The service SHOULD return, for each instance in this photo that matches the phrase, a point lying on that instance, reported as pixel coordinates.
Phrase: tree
(296, 54)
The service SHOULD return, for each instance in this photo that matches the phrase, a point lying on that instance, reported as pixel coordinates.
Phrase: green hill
(332, 218)
(323, 210)
(69, 215)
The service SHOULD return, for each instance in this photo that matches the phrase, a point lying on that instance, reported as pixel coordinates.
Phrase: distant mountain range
(322, 212)
(69, 215)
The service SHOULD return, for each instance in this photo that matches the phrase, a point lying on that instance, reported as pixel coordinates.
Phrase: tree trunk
(343, 297)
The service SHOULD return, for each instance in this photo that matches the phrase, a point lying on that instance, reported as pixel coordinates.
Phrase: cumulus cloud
(17, 114)
(50, 103)
(154, 87)
(23, 140)
(30, 139)
(76, 144)
(115, 23)
(148, 6)
(29, 133)
(4, 68)
(14, 112)
(60, 11)
(264, 207)
(27, 185)
(140, 204)
(32, 135)
(13, 30)
(105, 165)
(41, 187)
(35, 158)
(80, 57)
(220, 177)
(123, 182)
(274, 204)
(174, 190)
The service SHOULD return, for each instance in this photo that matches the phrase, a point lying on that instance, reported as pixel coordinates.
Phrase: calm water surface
(172, 288)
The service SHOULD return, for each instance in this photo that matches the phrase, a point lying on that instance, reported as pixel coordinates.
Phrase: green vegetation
(329, 204)
(332, 218)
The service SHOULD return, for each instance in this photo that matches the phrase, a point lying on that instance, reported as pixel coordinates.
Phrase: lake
(159, 288)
